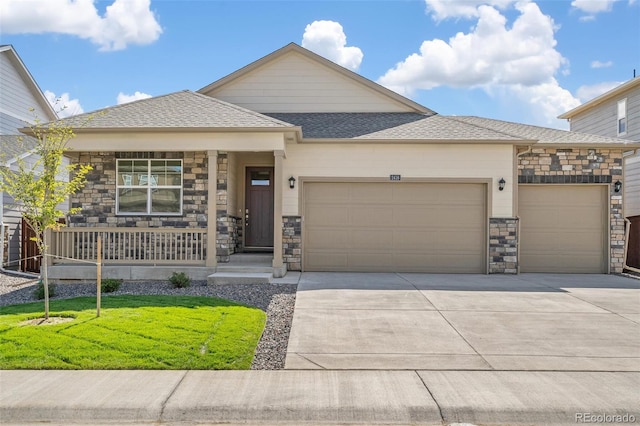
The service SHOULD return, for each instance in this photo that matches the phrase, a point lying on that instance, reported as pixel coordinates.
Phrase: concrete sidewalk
(316, 397)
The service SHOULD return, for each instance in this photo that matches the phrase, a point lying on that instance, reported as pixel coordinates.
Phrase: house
(325, 170)
(616, 113)
(21, 103)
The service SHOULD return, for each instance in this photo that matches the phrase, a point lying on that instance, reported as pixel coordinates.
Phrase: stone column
(212, 201)
(279, 268)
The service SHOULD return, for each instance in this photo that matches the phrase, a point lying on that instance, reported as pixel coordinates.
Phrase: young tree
(40, 187)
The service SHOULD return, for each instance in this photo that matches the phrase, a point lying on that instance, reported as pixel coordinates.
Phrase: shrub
(38, 293)
(179, 280)
(109, 285)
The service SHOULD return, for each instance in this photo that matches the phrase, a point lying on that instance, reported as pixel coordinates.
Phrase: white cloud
(516, 62)
(490, 54)
(443, 9)
(545, 101)
(593, 6)
(123, 98)
(599, 64)
(586, 93)
(64, 106)
(124, 21)
(327, 39)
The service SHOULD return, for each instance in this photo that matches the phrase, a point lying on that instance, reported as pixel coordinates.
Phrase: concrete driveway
(531, 322)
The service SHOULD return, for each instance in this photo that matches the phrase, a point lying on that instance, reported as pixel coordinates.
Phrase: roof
(388, 126)
(615, 92)
(13, 146)
(29, 80)
(179, 110)
(293, 47)
(346, 125)
(542, 135)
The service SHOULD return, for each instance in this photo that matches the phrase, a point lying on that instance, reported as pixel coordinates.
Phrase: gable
(19, 95)
(296, 80)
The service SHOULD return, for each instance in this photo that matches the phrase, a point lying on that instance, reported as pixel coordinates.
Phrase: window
(149, 187)
(622, 117)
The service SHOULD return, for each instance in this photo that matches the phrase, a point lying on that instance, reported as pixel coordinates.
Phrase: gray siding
(12, 220)
(17, 98)
(9, 124)
(602, 119)
(632, 186)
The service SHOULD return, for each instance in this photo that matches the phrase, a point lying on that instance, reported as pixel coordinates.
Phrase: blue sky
(515, 60)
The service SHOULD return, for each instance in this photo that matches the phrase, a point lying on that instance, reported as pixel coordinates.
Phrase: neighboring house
(616, 113)
(333, 172)
(21, 102)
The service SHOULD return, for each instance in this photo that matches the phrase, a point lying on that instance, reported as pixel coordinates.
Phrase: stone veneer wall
(503, 245)
(98, 203)
(98, 198)
(292, 242)
(581, 166)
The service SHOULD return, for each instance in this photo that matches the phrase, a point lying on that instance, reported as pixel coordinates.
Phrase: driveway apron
(534, 322)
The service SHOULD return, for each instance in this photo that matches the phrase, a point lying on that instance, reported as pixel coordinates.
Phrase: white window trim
(149, 188)
(622, 103)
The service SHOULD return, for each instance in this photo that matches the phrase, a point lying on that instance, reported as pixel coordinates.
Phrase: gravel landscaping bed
(277, 300)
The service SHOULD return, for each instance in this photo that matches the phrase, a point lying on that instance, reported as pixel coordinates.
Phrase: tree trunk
(45, 274)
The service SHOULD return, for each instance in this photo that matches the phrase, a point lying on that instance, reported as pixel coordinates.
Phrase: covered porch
(248, 224)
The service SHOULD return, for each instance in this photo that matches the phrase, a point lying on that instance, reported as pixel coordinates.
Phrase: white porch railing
(149, 246)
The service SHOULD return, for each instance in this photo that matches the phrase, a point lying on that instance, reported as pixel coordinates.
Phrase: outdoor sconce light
(501, 183)
(617, 186)
(292, 182)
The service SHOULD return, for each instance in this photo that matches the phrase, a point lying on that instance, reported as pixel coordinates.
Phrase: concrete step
(254, 258)
(225, 278)
(245, 269)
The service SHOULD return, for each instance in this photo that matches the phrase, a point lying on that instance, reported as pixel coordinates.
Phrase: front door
(258, 214)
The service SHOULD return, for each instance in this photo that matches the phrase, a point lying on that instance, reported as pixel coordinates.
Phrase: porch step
(224, 278)
(244, 269)
(252, 258)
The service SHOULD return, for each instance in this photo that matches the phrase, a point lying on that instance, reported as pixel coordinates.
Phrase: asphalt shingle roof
(184, 109)
(12, 146)
(342, 125)
(384, 125)
(543, 135)
(415, 126)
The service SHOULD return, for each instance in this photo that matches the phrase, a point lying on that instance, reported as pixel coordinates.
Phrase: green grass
(132, 332)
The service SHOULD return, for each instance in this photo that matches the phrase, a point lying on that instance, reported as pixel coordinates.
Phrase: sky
(515, 60)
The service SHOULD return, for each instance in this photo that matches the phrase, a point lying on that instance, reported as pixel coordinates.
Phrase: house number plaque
(395, 177)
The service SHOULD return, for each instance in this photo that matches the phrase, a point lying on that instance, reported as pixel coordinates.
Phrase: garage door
(562, 228)
(399, 227)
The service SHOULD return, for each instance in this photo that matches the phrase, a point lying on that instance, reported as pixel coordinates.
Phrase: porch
(148, 254)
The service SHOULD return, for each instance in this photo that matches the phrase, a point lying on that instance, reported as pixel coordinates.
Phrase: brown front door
(258, 215)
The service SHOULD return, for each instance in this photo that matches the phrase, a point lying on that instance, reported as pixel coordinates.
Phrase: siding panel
(632, 187)
(296, 84)
(17, 98)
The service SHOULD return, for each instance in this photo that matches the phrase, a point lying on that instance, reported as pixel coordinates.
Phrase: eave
(611, 94)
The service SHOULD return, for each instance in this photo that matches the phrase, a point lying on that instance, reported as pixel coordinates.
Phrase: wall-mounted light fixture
(292, 182)
(501, 184)
(617, 186)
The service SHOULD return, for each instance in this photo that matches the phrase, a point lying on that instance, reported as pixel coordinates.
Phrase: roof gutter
(416, 141)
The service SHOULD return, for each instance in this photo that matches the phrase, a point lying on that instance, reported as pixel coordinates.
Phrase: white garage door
(562, 228)
(395, 226)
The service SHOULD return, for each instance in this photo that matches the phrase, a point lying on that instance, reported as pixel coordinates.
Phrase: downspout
(626, 233)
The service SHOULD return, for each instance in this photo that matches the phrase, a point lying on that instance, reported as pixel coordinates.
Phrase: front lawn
(133, 332)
